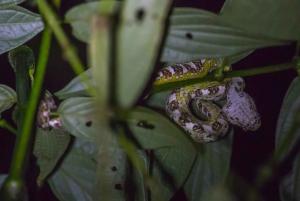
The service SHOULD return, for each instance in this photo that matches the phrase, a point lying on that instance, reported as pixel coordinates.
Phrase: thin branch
(229, 74)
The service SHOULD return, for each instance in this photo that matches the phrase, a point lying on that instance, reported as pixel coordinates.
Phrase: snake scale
(239, 110)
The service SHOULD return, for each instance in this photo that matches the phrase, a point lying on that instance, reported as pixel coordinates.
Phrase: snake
(239, 110)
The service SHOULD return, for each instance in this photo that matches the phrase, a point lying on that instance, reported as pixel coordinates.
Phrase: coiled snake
(239, 110)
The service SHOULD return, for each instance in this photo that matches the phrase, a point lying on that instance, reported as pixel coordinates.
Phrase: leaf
(18, 25)
(7, 97)
(210, 169)
(197, 34)
(80, 24)
(79, 117)
(2, 179)
(141, 30)
(174, 153)
(219, 193)
(110, 177)
(171, 168)
(74, 178)
(286, 117)
(75, 88)
(135, 183)
(48, 148)
(289, 186)
(280, 19)
(9, 3)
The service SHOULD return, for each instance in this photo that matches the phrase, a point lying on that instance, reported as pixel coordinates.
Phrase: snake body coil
(239, 110)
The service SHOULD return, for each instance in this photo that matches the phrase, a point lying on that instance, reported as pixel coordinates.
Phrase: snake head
(240, 108)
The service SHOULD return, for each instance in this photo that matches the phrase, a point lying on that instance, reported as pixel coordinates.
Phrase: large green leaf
(174, 153)
(7, 97)
(18, 25)
(290, 184)
(210, 169)
(48, 148)
(75, 88)
(196, 34)
(9, 3)
(110, 174)
(136, 188)
(81, 27)
(79, 117)
(139, 38)
(74, 179)
(275, 19)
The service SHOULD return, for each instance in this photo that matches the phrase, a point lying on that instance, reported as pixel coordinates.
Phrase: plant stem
(69, 50)
(5, 124)
(227, 74)
(14, 188)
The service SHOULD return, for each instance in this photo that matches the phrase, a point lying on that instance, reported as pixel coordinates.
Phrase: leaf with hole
(49, 146)
(9, 3)
(79, 117)
(287, 140)
(110, 174)
(17, 26)
(280, 19)
(7, 97)
(74, 179)
(197, 34)
(141, 30)
(174, 153)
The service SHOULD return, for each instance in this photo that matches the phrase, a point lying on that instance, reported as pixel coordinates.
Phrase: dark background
(250, 149)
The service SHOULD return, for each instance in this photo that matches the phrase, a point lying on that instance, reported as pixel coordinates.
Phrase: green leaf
(2, 179)
(153, 130)
(174, 153)
(48, 148)
(287, 115)
(197, 34)
(9, 3)
(135, 183)
(7, 97)
(280, 19)
(158, 100)
(74, 179)
(110, 176)
(80, 24)
(76, 87)
(17, 26)
(289, 186)
(141, 30)
(219, 193)
(210, 169)
(79, 117)
(171, 168)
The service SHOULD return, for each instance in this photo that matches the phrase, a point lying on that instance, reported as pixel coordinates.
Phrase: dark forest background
(250, 149)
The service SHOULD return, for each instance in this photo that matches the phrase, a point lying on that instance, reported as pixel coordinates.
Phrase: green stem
(69, 50)
(14, 187)
(229, 74)
(5, 124)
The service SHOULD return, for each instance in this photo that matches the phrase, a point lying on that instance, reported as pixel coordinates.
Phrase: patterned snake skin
(239, 110)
